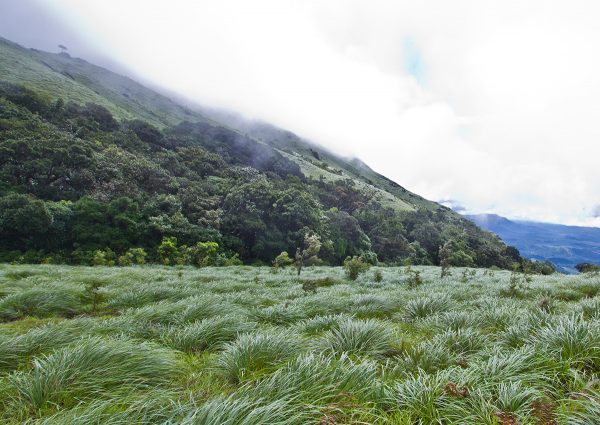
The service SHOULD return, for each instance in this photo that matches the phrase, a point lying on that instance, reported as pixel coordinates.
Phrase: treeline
(76, 183)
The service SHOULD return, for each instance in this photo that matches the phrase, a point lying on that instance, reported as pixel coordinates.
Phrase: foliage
(414, 278)
(81, 175)
(309, 254)
(355, 266)
(133, 256)
(167, 251)
(587, 268)
(282, 260)
(71, 131)
(378, 276)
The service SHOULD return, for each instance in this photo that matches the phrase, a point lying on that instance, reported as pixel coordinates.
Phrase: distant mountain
(563, 245)
(91, 160)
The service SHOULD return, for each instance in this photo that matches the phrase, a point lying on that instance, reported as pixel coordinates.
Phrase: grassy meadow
(243, 345)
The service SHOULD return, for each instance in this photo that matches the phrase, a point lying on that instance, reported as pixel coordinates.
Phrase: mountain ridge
(564, 245)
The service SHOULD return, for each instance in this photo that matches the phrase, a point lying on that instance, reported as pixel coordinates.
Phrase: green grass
(243, 346)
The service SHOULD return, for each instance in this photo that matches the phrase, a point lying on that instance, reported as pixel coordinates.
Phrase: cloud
(491, 104)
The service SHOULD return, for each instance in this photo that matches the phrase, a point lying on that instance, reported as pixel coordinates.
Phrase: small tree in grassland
(355, 266)
(281, 261)
(308, 255)
(445, 253)
(93, 289)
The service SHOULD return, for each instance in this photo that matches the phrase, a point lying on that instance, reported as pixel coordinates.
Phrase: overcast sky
(493, 105)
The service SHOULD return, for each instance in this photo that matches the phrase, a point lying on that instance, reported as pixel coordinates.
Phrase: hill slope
(108, 163)
(565, 246)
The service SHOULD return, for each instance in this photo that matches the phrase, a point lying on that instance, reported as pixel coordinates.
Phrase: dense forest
(78, 186)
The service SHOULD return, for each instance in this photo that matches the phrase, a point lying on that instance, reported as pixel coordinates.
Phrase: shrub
(414, 279)
(309, 255)
(167, 251)
(311, 285)
(104, 257)
(234, 260)
(378, 276)
(587, 268)
(203, 254)
(282, 260)
(133, 256)
(355, 266)
(93, 289)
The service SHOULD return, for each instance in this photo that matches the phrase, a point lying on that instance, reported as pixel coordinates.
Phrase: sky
(492, 106)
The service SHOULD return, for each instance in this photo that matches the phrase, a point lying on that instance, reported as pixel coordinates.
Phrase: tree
(167, 251)
(207, 254)
(308, 255)
(355, 266)
(104, 257)
(282, 260)
(346, 236)
(444, 255)
(24, 221)
(587, 268)
(133, 256)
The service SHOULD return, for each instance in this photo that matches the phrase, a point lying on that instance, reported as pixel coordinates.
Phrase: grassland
(245, 346)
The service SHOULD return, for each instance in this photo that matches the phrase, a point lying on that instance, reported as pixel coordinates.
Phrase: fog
(492, 106)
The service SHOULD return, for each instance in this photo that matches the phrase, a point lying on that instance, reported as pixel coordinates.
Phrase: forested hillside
(94, 166)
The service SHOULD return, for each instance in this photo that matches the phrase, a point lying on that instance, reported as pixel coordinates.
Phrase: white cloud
(507, 119)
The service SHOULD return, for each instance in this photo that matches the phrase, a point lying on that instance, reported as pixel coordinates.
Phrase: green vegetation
(161, 344)
(588, 268)
(355, 266)
(96, 169)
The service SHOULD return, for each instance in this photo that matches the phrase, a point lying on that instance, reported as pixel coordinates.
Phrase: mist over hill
(94, 161)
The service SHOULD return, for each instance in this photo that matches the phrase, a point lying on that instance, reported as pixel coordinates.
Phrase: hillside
(93, 161)
(565, 246)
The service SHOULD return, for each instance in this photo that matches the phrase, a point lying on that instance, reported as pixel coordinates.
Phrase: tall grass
(93, 368)
(244, 411)
(420, 308)
(572, 340)
(244, 346)
(206, 334)
(42, 301)
(252, 354)
(358, 337)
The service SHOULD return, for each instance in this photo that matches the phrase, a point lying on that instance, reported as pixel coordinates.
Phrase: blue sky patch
(413, 60)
